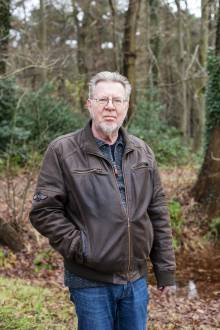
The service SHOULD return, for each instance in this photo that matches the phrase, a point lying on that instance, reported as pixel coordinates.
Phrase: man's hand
(167, 290)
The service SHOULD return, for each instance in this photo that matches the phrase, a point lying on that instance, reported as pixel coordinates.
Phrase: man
(100, 202)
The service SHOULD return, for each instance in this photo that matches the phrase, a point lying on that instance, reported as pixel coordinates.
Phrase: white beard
(108, 128)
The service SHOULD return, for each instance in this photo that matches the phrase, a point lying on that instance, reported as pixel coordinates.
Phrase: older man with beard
(100, 202)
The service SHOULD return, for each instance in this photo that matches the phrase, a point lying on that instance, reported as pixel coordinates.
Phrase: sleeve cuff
(165, 278)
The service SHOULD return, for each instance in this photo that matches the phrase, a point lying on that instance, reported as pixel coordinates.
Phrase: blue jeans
(112, 307)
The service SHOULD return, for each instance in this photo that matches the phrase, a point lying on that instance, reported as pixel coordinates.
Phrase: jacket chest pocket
(86, 182)
(141, 183)
(98, 171)
(140, 172)
(140, 166)
(90, 187)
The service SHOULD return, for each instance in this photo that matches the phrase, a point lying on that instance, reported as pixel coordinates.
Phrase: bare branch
(192, 61)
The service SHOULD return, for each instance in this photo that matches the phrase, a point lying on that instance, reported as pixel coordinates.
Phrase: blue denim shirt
(114, 154)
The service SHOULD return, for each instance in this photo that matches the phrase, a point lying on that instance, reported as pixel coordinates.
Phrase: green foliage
(29, 120)
(47, 117)
(213, 95)
(44, 260)
(214, 227)
(149, 125)
(176, 222)
(8, 99)
(26, 307)
(8, 105)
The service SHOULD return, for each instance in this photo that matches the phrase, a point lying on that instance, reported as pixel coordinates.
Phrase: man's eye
(117, 101)
(103, 100)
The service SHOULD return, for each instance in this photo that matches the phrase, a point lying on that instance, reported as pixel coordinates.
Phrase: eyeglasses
(117, 102)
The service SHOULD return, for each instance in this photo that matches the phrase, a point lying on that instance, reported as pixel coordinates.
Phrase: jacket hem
(93, 275)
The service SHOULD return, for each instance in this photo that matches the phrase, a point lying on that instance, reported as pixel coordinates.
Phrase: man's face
(108, 107)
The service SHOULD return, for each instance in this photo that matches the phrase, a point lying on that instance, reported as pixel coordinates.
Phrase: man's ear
(126, 106)
(88, 104)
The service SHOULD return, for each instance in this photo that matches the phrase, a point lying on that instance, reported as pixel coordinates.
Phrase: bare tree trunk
(217, 39)
(184, 112)
(199, 110)
(81, 30)
(204, 32)
(4, 33)
(114, 38)
(204, 37)
(43, 39)
(129, 48)
(207, 187)
(212, 9)
(154, 40)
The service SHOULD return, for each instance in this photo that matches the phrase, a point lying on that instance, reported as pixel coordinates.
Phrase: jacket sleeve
(48, 209)
(162, 253)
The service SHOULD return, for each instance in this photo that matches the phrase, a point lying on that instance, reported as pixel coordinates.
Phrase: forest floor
(32, 295)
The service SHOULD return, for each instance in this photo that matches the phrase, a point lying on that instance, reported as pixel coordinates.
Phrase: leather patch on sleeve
(39, 196)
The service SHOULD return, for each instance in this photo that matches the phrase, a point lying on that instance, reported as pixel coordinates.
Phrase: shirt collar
(88, 142)
(101, 143)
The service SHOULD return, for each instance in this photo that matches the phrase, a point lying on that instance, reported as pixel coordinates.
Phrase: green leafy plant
(30, 120)
(214, 227)
(148, 124)
(44, 260)
(176, 222)
(47, 116)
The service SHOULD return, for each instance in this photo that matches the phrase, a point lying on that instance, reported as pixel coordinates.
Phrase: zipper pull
(115, 169)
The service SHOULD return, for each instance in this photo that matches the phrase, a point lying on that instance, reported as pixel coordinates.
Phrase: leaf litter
(172, 311)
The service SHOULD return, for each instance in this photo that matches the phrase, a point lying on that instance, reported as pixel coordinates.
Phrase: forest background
(48, 52)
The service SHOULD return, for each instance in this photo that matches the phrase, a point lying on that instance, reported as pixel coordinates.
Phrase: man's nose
(110, 104)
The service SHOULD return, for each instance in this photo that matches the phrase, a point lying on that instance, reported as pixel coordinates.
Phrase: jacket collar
(90, 145)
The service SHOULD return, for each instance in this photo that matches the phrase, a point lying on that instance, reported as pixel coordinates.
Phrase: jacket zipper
(115, 169)
(115, 172)
(128, 222)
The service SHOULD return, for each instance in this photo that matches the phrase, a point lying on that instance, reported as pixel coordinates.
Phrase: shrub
(149, 125)
(9, 102)
(47, 116)
(31, 119)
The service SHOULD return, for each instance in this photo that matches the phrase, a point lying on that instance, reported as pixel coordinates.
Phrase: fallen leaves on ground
(165, 312)
(173, 312)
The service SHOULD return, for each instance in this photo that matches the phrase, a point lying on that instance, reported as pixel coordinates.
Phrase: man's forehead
(109, 86)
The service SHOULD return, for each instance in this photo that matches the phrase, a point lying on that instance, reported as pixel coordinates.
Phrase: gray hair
(109, 76)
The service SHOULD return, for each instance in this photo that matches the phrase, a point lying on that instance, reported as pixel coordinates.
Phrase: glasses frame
(104, 101)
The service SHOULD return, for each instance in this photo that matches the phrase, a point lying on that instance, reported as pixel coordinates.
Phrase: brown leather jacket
(77, 206)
